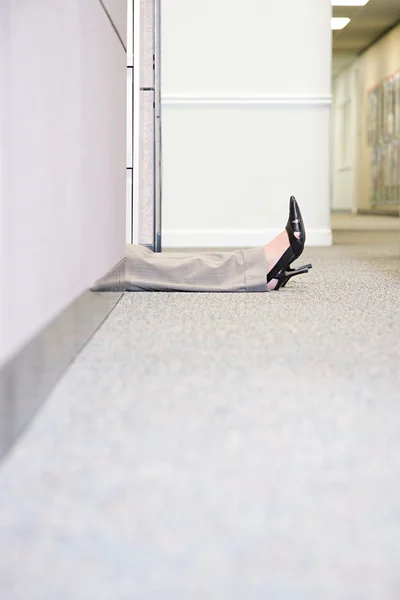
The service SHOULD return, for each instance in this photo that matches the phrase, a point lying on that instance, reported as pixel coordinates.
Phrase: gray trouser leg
(235, 271)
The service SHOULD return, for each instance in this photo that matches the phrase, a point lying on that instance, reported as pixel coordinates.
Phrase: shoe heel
(291, 273)
(299, 268)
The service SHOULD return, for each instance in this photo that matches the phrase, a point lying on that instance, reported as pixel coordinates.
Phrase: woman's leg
(230, 271)
(235, 271)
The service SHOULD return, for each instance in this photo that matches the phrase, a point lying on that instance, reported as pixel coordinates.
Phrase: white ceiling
(367, 24)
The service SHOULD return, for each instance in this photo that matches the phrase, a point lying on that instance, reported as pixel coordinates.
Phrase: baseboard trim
(29, 376)
(380, 212)
(234, 238)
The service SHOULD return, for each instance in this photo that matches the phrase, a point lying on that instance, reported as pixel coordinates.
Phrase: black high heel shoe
(282, 271)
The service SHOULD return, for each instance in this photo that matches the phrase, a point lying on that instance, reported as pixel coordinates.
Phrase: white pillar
(246, 98)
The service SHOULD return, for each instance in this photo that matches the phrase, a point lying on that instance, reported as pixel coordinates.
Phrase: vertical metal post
(157, 124)
(136, 119)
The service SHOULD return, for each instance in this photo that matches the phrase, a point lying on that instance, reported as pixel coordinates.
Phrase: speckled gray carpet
(221, 446)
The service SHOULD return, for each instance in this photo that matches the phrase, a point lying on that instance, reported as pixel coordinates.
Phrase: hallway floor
(222, 446)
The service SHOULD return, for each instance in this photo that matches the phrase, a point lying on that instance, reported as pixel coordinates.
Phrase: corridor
(222, 446)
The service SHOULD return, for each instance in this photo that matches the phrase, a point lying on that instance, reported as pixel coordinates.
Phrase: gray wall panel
(63, 183)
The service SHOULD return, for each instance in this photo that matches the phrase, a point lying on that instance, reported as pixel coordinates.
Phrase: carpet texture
(221, 446)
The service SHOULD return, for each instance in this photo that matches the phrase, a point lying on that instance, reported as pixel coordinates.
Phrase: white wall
(246, 95)
(3, 65)
(118, 9)
(344, 117)
(380, 61)
(63, 165)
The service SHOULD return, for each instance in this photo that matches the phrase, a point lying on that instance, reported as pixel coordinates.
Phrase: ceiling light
(349, 2)
(339, 22)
